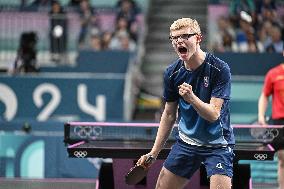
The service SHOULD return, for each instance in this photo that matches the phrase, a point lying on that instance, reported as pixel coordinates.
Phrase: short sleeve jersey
(211, 79)
(274, 85)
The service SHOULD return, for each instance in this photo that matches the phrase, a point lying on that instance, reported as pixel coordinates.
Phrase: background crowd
(250, 26)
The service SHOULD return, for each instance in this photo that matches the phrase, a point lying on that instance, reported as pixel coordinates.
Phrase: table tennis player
(274, 86)
(198, 86)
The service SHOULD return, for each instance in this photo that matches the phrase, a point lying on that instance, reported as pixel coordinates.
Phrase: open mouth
(182, 50)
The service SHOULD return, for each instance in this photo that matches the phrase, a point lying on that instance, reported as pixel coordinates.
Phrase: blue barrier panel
(113, 61)
(251, 63)
(95, 97)
(40, 153)
(103, 62)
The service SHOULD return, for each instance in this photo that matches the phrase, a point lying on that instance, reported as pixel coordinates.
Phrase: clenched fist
(185, 91)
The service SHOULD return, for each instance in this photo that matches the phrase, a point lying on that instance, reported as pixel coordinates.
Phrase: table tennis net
(131, 133)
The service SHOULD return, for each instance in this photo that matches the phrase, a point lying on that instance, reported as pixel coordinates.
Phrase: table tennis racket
(138, 172)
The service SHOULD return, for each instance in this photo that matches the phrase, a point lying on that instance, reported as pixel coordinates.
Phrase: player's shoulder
(275, 70)
(216, 63)
(174, 67)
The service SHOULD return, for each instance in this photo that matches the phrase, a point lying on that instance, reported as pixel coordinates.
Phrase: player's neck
(195, 61)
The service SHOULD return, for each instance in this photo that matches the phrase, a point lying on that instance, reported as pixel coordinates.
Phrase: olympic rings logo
(271, 134)
(260, 157)
(80, 154)
(87, 131)
(265, 134)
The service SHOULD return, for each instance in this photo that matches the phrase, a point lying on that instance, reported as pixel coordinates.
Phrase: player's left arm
(221, 89)
(209, 111)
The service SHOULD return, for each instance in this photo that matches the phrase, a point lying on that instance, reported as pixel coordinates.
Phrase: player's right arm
(166, 124)
(262, 106)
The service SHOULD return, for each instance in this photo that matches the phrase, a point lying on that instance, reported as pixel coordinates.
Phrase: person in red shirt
(274, 86)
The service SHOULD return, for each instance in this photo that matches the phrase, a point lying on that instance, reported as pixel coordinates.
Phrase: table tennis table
(134, 149)
(126, 142)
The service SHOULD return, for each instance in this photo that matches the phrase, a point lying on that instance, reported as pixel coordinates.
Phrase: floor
(47, 183)
(264, 186)
(74, 184)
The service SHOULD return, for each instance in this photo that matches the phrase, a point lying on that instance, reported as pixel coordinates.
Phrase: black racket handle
(149, 159)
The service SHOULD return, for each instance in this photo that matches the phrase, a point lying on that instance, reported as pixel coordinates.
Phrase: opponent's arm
(209, 111)
(166, 124)
(262, 106)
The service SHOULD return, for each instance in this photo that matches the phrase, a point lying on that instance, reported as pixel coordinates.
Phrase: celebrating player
(198, 84)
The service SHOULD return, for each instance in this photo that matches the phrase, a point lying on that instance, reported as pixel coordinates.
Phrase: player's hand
(185, 91)
(261, 120)
(142, 160)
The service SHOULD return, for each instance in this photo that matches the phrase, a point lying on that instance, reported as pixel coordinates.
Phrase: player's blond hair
(186, 23)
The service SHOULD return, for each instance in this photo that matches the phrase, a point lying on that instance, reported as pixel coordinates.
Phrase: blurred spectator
(228, 43)
(276, 44)
(224, 25)
(23, 4)
(264, 4)
(263, 33)
(121, 41)
(74, 3)
(96, 43)
(26, 54)
(245, 27)
(225, 32)
(268, 15)
(128, 6)
(253, 45)
(237, 6)
(88, 21)
(251, 26)
(41, 2)
(121, 25)
(34, 5)
(58, 32)
(128, 10)
(126, 43)
(106, 39)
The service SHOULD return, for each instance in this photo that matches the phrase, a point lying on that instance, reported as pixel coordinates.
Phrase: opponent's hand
(261, 120)
(142, 160)
(185, 91)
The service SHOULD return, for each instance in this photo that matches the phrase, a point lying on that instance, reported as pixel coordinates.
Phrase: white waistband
(188, 140)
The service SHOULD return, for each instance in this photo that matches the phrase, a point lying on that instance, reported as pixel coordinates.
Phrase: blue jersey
(211, 79)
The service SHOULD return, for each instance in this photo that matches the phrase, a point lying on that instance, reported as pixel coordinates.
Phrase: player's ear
(199, 38)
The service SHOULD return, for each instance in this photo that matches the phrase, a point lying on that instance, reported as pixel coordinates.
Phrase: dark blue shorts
(185, 159)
